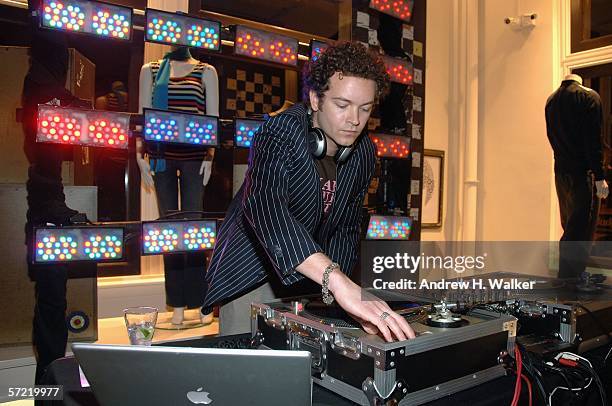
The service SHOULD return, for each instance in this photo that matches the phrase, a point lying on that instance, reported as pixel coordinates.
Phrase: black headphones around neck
(317, 144)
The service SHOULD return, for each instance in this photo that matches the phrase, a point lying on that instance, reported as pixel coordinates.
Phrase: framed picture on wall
(433, 185)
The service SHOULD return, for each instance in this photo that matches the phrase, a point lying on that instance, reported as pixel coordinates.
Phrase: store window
(599, 78)
(591, 24)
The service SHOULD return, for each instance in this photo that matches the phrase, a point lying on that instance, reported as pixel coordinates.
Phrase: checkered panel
(365, 26)
(251, 89)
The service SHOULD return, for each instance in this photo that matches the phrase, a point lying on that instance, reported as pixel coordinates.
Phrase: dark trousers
(46, 203)
(579, 207)
(184, 273)
(49, 332)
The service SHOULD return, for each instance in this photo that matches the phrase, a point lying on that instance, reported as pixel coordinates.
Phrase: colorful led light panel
(316, 47)
(178, 29)
(265, 45)
(201, 131)
(88, 17)
(162, 128)
(244, 131)
(400, 70)
(92, 128)
(180, 128)
(198, 236)
(160, 240)
(401, 9)
(391, 146)
(389, 228)
(78, 244)
(161, 237)
(102, 246)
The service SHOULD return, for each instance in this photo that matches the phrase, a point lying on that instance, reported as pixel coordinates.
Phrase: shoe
(206, 318)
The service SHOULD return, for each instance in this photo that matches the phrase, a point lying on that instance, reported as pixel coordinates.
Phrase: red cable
(519, 370)
(528, 386)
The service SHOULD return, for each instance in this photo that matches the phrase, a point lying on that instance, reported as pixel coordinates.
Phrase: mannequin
(574, 123)
(574, 77)
(184, 273)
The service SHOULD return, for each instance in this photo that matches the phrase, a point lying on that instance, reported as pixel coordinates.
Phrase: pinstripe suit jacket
(274, 221)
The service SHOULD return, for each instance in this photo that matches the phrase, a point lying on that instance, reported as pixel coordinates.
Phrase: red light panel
(391, 146)
(401, 9)
(60, 129)
(400, 70)
(82, 127)
(267, 46)
(107, 133)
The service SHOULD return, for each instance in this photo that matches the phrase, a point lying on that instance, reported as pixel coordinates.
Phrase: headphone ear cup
(343, 154)
(317, 144)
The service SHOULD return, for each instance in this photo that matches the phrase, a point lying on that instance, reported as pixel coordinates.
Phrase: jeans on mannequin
(184, 273)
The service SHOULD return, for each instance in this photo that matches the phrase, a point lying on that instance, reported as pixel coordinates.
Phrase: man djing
(298, 212)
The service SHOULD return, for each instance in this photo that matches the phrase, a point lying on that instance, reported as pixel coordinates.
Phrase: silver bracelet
(328, 298)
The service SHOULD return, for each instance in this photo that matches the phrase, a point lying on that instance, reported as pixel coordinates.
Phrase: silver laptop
(177, 376)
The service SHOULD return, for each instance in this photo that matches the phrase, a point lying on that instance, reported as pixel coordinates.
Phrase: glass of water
(140, 323)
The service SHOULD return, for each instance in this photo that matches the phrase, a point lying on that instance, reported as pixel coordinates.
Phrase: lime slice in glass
(146, 333)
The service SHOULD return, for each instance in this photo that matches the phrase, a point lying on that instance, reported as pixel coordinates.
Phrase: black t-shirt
(327, 169)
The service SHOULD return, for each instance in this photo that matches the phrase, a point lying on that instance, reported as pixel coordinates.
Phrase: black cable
(560, 372)
(589, 369)
(533, 372)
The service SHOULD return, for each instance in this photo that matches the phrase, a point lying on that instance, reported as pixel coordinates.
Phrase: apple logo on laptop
(199, 397)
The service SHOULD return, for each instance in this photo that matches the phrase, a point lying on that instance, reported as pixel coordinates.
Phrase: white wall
(515, 164)
(514, 74)
(437, 89)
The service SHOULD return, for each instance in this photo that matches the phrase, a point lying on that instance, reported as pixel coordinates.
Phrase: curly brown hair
(349, 58)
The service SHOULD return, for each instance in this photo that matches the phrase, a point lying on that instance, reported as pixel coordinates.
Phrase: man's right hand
(374, 315)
